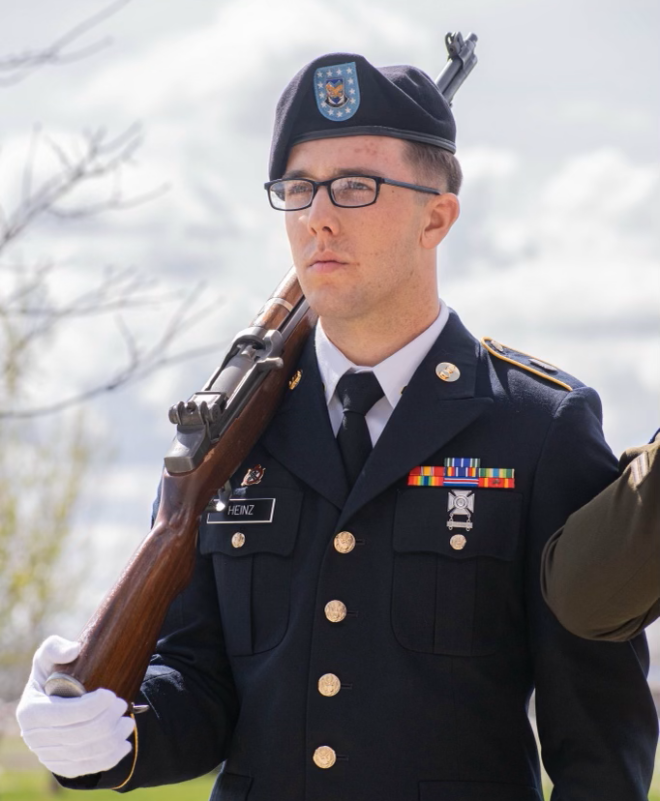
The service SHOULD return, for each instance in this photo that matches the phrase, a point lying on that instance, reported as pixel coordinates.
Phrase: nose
(322, 214)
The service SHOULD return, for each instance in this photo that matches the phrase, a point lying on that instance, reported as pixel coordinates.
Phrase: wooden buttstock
(121, 636)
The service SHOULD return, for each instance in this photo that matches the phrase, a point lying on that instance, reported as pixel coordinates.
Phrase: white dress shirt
(392, 373)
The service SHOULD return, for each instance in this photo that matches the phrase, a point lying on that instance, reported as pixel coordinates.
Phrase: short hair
(435, 165)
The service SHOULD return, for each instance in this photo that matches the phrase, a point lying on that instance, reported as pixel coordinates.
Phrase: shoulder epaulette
(529, 363)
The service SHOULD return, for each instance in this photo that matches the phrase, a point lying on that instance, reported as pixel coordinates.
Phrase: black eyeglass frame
(316, 185)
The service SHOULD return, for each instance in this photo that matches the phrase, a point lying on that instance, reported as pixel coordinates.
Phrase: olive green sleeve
(600, 573)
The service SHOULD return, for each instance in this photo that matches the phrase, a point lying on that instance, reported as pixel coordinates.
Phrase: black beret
(342, 94)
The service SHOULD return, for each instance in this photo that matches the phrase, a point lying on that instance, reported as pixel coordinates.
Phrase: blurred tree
(41, 478)
(46, 447)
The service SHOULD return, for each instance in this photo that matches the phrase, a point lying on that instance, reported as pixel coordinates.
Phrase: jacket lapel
(430, 413)
(300, 435)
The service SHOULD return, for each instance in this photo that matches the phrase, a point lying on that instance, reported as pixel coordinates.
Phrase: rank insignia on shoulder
(529, 363)
(253, 476)
(462, 472)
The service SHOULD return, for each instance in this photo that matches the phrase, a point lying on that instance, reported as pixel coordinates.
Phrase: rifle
(461, 60)
(216, 429)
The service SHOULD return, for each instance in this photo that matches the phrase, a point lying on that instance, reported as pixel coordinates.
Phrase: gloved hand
(71, 736)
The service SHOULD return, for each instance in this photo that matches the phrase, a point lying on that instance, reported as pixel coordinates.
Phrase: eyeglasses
(347, 192)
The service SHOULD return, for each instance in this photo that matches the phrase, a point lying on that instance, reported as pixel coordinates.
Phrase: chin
(331, 304)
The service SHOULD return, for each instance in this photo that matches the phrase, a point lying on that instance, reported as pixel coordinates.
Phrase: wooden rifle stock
(121, 636)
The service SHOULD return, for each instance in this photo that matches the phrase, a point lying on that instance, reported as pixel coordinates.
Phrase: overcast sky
(556, 252)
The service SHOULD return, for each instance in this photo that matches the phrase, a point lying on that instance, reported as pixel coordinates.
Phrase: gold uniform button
(238, 540)
(458, 542)
(344, 542)
(324, 757)
(335, 611)
(329, 685)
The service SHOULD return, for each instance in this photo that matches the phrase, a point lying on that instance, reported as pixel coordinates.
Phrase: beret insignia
(337, 91)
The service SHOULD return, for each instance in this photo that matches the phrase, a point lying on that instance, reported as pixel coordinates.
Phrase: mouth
(325, 262)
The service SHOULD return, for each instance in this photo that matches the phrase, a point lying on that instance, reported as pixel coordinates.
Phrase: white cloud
(577, 252)
(484, 164)
(569, 272)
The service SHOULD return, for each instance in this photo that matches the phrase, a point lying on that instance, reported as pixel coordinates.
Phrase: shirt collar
(393, 373)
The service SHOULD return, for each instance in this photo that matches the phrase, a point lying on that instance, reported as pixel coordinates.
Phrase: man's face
(357, 262)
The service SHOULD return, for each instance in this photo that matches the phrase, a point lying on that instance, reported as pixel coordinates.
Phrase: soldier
(368, 625)
(601, 571)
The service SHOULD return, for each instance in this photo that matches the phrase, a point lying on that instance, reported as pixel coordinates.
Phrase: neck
(368, 341)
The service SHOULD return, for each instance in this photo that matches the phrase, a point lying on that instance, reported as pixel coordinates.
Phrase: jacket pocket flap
(231, 787)
(262, 520)
(434, 519)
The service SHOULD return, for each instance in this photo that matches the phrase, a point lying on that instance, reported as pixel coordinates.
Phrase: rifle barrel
(462, 60)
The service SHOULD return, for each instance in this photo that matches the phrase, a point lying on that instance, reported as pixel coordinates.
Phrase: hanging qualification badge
(460, 505)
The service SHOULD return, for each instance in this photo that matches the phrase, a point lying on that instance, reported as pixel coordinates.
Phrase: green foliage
(41, 477)
(36, 786)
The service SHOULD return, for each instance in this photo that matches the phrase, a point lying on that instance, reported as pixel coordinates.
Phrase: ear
(439, 215)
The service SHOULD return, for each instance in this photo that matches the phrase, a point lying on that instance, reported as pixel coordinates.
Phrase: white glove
(71, 736)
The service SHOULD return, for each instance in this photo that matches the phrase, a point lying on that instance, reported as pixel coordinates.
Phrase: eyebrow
(337, 173)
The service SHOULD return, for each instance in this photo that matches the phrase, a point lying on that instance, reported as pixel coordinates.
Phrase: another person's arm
(597, 727)
(601, 572)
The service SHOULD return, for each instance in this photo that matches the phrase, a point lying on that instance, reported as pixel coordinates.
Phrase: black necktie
(357, 392)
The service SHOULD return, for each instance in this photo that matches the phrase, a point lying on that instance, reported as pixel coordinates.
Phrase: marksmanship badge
(337, 91)
(253, 476)
(460, 506)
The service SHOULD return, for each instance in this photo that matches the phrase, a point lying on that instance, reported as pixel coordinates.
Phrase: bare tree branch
(101, 158)
(17, 67)
(29, 164)
(121, 379)
(117, 290)
(30, 316)
(113, 203)
(141, 360)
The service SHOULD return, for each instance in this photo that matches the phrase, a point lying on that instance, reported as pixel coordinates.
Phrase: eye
(297, 188)
(354, 190)
(357, 184)
(277, 191)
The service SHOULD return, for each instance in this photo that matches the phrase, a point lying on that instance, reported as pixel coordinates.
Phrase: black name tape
(244, 510)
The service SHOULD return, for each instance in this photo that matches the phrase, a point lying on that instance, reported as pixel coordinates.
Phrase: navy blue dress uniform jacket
(440, 649)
